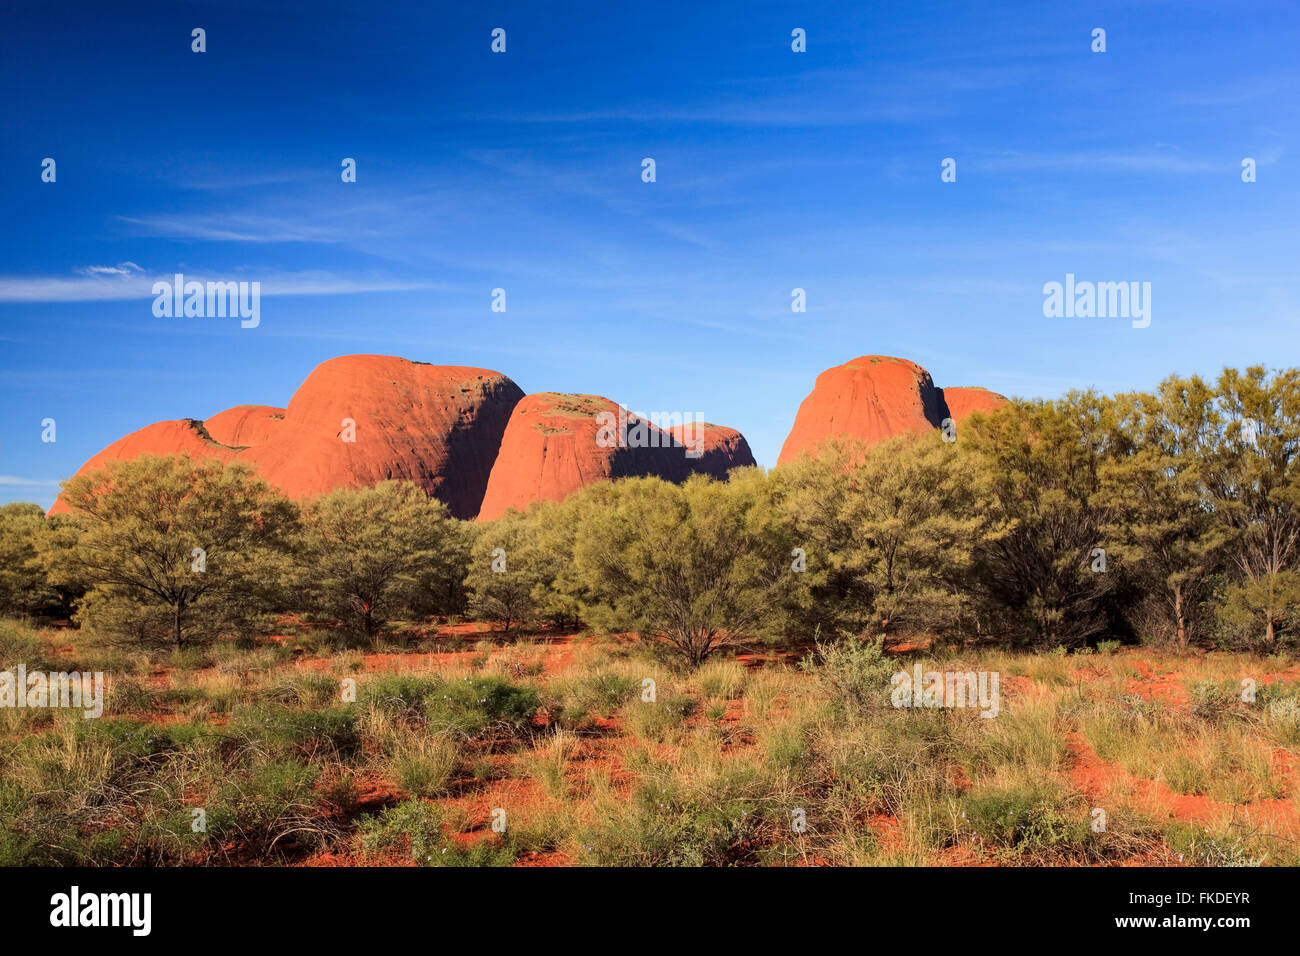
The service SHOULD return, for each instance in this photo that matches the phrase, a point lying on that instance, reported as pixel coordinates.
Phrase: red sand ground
(605, 750)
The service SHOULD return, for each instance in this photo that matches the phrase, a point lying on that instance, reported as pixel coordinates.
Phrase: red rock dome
(876, 397)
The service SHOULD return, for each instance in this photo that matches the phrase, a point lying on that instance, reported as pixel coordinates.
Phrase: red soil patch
(1095, 777)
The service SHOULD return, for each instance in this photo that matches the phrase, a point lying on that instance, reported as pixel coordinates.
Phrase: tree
(1036, 577)
(1253, 480)
(24, 588)
(173, 549)
(1161, 525)
(889, 530)
(557, 590)
(368, 554)
(503, 571)
(697, 566)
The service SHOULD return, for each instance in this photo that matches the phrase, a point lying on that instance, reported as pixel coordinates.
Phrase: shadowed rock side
(550, 450)
(437, 425)
(721, 448)
(875, 397)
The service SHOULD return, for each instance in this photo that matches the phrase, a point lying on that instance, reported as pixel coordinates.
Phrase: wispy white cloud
(119, 287)
(121, 269)
(13, 481)
(236, 229)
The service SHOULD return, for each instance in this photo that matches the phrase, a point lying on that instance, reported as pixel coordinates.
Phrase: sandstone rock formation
(875, 397)
(244, 425)
(963, 400)
(468, 436)
(437, 425)
(555, 445)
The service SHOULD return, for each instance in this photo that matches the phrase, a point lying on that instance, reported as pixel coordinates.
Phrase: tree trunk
(1178, 613)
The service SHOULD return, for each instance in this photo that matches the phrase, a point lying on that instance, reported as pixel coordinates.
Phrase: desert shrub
(1234, 845)
(856, 673)
(1028, 821)
(421, 765)
(504, 571)
(398, 694)
(888, 531)
(303, 688)
(711, 821)
(268, 808)
(549, 761)
(24, 588)
(600, 693)
(656, 720)
(416, 826)
(1282, 718)
(309, 733)
(718, 678)
(20, 644)
(692, 567)
(1212, 700)
(472, 705)
(369, 554)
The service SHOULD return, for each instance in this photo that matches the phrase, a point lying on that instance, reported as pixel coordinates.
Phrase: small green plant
(655, 720)
(1026, 821)
(422, 766)
(472, 705)
(856, 672)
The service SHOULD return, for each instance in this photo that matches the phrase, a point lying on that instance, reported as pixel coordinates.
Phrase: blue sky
(522, 170)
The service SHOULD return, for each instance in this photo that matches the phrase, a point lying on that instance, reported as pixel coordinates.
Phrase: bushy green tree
(696, 566)
(1160, 525)
(24, 587)
(369, 554)
(1253, 480)
(1036, 578)
(504, 571)
(557, 591)
(172, 549)
(889, 532)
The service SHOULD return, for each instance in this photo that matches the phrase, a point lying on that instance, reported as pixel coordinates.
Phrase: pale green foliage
(1039, 462)
(1153, 494)
(504, 570)
(1253, 479)
(888, 531)
(23, 585)
(140, 522)
(369, 554)
(696, 566)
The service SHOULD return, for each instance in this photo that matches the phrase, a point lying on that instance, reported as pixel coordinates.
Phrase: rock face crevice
(875, 397)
